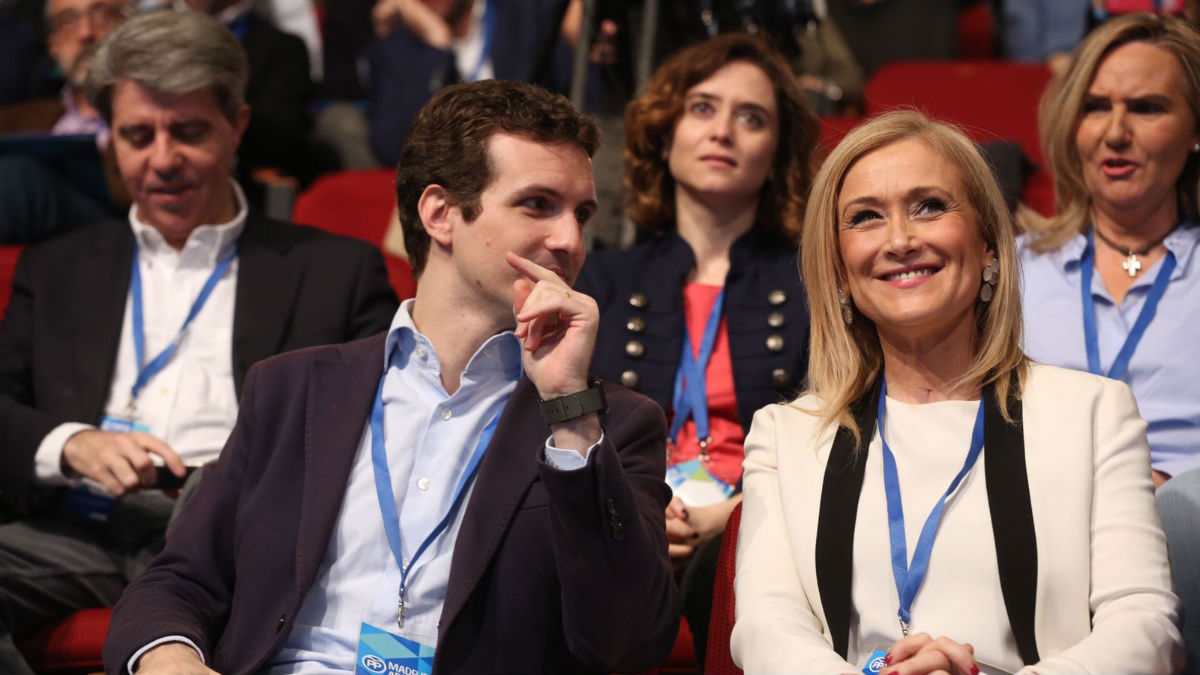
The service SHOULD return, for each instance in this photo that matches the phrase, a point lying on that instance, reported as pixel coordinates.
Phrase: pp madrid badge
(383, 653)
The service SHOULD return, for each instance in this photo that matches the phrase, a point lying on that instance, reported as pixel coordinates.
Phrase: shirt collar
(74, 121)
(225, 16)
(1181, 242)
(499, 354)
(209, 240)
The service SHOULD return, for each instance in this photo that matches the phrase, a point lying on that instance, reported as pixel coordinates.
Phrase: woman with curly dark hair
(707, 315)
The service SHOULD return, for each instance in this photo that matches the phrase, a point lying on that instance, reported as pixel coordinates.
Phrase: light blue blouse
(1164, 371)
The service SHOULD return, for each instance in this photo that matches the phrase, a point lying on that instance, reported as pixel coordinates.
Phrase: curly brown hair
(650, 121)
(447, 145)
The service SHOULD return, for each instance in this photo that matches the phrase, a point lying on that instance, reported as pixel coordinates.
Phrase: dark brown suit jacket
(552, 571)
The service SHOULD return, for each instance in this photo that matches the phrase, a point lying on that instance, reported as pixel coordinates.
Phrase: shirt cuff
(162, 641)
(569, 460)
(47, 461)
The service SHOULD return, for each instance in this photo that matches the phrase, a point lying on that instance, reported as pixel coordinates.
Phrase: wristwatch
(569, 407)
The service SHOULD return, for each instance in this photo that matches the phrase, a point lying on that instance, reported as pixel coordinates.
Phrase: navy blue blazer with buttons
(552, 571)
(640, 293)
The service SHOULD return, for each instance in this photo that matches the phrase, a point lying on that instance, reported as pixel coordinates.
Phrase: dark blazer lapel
(341, 391)
(102, 286)
(508, 468)
(266, 288)
(839, 511)
(1012, 518)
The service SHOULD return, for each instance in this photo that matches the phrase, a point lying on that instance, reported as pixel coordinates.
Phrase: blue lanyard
(239, 26)
(1090, 335)
(387, 501)
(146, 371)
(691, 396)
(909, 579)
(489, 29)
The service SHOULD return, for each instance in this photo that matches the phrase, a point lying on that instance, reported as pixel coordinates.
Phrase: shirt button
(421, 352)
(423, 483)
(446, 414)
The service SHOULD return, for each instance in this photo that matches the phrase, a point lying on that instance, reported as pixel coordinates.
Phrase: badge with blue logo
(692, 482)
(875, 662)
(122, 425)
(381, 652)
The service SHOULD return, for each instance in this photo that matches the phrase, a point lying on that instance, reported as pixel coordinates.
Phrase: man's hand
(172, 658)
(920, 653)
(118, 461)
(557, 328)
(426, 24)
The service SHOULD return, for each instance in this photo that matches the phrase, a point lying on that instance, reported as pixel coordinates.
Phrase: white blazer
(1103, 601)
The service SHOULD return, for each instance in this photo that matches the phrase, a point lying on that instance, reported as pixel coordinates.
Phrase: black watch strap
(569, 407)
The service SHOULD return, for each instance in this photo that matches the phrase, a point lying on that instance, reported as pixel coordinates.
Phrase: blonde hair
(845, 360)
(1061, 110)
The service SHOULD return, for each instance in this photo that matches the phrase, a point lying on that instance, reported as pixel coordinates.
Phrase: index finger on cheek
(530, 269)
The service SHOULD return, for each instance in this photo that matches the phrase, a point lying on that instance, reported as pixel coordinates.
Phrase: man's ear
(437, 214)
(240, 121)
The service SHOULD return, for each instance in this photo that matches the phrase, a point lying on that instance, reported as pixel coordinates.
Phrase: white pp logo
(875, 666)
(374, 663)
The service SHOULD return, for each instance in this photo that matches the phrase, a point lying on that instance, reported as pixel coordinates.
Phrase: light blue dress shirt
(1164, 371)
(429, 437)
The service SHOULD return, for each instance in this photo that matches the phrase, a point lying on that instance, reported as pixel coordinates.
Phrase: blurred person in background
(707, 316)
(125, 344)
(1112, 282)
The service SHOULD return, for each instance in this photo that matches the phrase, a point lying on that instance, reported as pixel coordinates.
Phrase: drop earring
(847, 313)
(991, 274)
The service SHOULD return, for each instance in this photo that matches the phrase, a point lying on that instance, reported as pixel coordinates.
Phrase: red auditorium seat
(357, 204)
(70, 646)
(990, 100)
(833, 130)
(976, 32)
(717, 659)
(8, 265)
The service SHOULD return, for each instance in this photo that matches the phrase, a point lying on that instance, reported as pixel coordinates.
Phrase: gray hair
(170, 52)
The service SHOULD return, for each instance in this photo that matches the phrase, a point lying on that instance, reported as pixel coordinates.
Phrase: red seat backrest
(976, 32)
(357, 204)
(8, 266)
(717, 659)
(69, 645)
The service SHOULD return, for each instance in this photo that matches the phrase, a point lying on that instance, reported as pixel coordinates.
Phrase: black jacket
(296, 287)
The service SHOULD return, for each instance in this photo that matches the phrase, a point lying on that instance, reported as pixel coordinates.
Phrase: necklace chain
(1131, 265)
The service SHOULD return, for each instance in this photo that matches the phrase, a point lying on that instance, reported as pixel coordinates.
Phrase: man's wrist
(573, 386)
(577, 434)
(170, 649)
(574, 404)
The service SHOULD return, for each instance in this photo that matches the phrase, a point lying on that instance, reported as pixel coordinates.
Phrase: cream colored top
(930, 445)
(1103, 599)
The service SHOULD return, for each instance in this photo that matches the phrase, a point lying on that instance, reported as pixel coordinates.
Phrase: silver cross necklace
(1131, 265)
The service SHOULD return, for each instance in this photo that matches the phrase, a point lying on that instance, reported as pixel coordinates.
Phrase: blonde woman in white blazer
(1046, 554)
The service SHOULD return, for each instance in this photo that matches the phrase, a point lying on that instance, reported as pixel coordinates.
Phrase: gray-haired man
(125, 345)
